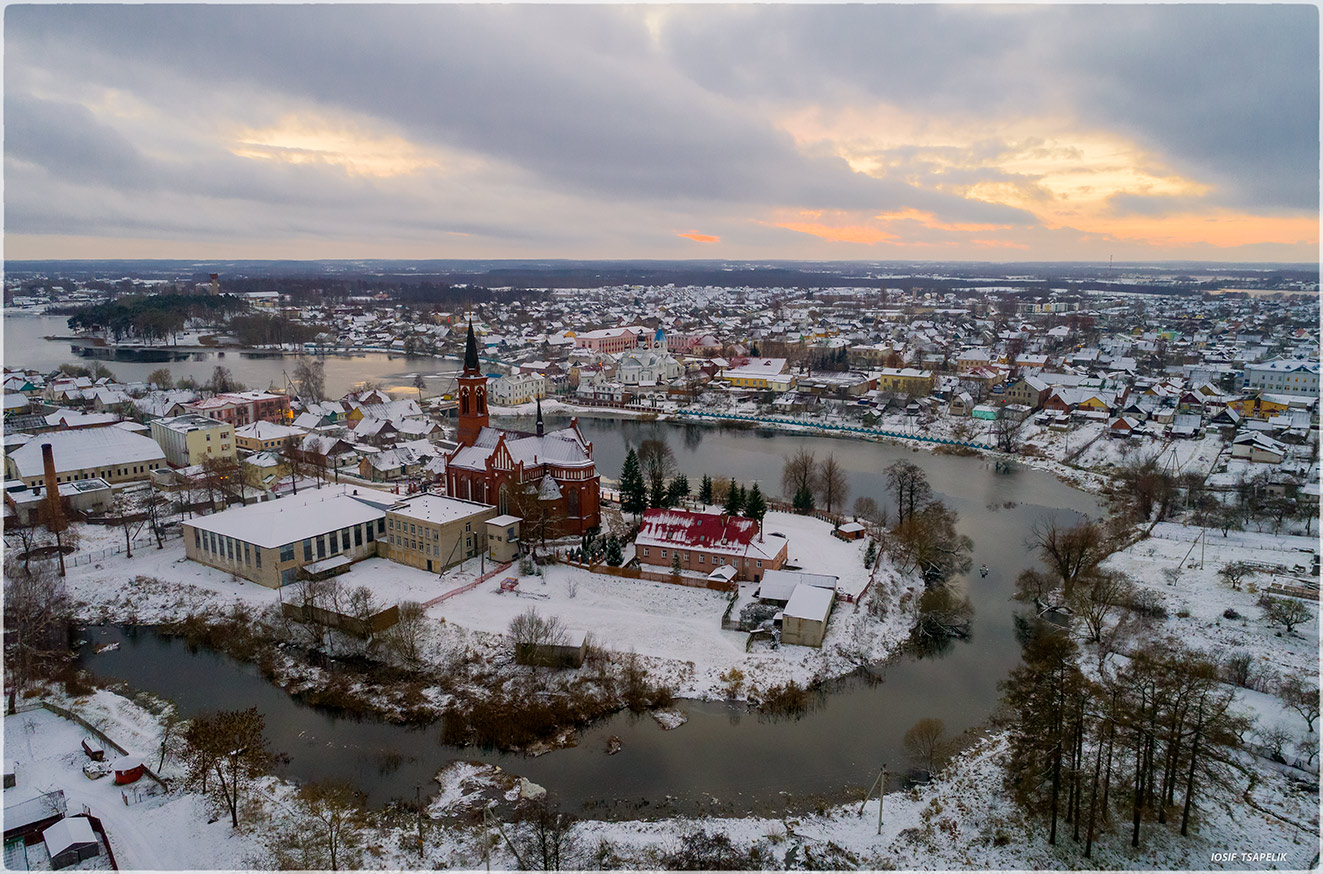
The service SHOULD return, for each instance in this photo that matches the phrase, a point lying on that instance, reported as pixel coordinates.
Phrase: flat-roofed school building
(268, 543)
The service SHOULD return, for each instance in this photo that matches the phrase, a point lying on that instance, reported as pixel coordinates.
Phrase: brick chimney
(54, 511)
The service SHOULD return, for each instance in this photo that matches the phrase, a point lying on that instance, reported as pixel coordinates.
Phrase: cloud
(577, 130)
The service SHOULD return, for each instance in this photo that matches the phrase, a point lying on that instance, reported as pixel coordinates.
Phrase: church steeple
(471, 354)
(472, 392)
(539, 417)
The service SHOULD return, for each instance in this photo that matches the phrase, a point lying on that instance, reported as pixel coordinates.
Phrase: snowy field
(153, 831)
(676, 629)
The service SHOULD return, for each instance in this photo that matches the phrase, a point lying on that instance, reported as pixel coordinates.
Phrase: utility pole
(486, 840)
(418, 803)
(880, 784)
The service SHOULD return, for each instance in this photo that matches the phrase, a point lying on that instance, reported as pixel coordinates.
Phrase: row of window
(717, 560)
(227, 548)
(336, 542)
(108, 472)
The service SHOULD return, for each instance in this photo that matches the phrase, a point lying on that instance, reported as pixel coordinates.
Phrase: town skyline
(876, 133)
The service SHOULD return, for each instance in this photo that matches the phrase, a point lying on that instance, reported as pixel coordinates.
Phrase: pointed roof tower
(471, 354)
(540, 426)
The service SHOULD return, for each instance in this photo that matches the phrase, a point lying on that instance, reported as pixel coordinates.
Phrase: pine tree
(734, 501)
(614, 555)
(676, 567)
(705, 490)
(755, 506)
(657, 494)
(870, 554)
(803, 500)
(633, 491)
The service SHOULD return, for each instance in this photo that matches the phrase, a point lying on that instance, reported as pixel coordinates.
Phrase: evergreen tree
(633, 491)
(676, 489)
(705, 490)
(657, 494)
(676, 567)
(870, 554)
(755, 506)
(614, 556)
(803, 500)
(734, 501)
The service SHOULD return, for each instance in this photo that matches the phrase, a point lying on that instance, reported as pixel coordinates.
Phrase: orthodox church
(541, 475)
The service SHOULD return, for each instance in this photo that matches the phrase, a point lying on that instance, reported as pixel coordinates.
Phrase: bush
(1147, 604)
(789, 699)
(713, 851)
(755, 614)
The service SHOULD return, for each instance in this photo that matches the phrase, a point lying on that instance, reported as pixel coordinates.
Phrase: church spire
(471, 353)
(539, 417)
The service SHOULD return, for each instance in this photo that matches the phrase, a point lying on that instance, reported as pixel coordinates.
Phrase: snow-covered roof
(263, 430)
(310, 513)
(86, 448)
(437, 509)
(563, 448)
(810, 602)
(72, 831)
(726, 535)
(778, 585)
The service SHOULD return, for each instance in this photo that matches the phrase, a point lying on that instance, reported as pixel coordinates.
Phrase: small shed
(724, 574)
(96, 751)
(70, 841)
(984, 411)
(804, 621)
(128, 769)
(850, 531)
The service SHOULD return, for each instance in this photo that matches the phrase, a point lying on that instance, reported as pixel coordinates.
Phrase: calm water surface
(724, 759)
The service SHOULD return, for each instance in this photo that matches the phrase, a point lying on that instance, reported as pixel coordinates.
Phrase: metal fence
(92, 556)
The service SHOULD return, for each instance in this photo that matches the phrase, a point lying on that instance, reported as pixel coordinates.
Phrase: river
(724, 760)
(26, 346)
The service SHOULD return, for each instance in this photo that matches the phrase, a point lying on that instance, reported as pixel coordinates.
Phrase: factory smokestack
(53, 510)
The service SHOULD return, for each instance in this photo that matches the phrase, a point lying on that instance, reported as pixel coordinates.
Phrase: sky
(911, 132)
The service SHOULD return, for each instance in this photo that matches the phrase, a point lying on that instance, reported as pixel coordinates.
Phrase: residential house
(706, 541)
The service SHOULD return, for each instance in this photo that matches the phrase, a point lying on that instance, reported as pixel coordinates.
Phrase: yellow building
(905, 381)
(761, 373)
(265, 436)
(432, 533)
(191, 439)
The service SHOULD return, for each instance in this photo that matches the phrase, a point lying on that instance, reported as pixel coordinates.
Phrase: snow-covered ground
(677, 628)
(154, 831)
(1197, 600)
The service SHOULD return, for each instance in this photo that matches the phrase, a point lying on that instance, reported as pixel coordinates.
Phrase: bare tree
(1286, 612)
(657, 463)
(37, 614)
(544, 838)
(222, 380)
(832, 486)
(928, 541)
(226, 752)
(1098, 598)
(130, 516)
(1006, 432)
(29, 536)
(909, 488)
(1235, 573)
(531, 632)
(1072, 552)
(160, 378)
(404, 639)
(798, 473)
(330, 817)
(925, 743)
(1301, 697)
(310, 379)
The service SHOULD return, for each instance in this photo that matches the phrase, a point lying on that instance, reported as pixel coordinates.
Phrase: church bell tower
(472, 395)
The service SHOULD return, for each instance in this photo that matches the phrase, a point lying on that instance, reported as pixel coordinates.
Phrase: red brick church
(552, 475)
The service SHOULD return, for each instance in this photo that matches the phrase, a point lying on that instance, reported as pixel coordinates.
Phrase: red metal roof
(686, 528)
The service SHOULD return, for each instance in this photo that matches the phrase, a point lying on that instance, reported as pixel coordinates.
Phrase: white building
(191, 439)
(648, 367)
(518, 388)
(1283, 376)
